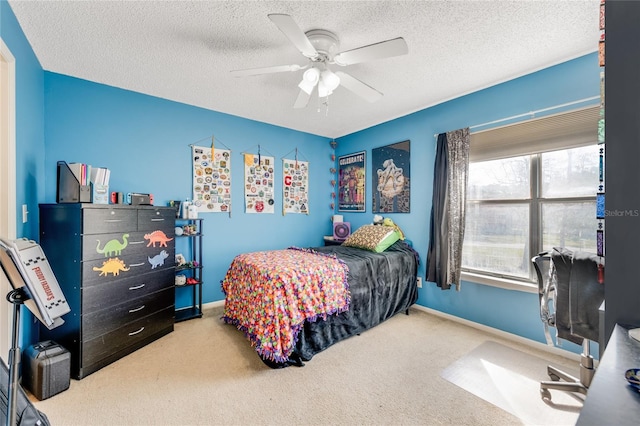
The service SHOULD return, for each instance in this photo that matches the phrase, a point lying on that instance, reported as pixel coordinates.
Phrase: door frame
(7, 180)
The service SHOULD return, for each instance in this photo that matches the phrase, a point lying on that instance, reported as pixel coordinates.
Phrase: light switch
(25, 213)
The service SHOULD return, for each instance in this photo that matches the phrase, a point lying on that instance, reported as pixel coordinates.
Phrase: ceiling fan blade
(302, 100)
(384, 49)
(359, 88)
(293, 32)
(266, 70)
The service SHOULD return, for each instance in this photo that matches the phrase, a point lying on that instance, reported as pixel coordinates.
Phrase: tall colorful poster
(258, 184)
(211, 179)
(391, 180)
(295, 186)
(351, 182)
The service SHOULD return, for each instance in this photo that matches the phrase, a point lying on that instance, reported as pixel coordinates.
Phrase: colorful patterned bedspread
(270, 294)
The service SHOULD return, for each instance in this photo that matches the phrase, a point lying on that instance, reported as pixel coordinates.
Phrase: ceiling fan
(320, 47)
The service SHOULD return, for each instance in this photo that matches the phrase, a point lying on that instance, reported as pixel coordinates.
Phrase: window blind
(550, 133)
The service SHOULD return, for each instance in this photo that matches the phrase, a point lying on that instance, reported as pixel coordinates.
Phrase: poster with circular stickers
(258, 184)
(211, 179)
(295, 186)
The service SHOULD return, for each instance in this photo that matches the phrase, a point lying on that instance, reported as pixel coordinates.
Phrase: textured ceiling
(184, 50)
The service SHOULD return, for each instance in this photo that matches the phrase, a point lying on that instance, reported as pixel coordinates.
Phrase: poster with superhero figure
(351, 182)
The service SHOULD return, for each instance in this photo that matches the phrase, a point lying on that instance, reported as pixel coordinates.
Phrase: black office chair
(570, 291)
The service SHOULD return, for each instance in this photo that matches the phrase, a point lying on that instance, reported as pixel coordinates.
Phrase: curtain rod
(531, 113)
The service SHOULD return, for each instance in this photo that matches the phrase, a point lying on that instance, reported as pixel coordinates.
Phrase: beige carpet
(206, 373)
(510, 379)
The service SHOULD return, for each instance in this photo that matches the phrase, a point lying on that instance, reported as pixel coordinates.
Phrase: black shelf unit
(190, 270)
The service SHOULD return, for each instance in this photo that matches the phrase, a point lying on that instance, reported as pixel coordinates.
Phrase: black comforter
(381, 285)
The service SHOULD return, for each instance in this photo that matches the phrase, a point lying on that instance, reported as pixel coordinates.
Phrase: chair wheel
(554, 377)
(545, 394)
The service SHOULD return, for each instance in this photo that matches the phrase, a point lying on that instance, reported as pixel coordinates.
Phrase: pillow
(376, 238)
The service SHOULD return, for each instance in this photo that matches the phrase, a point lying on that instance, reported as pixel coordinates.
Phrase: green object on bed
(376, 238)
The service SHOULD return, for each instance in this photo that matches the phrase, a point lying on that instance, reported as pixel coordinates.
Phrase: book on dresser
(115, 265)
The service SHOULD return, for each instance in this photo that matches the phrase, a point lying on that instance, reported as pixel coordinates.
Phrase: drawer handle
(136, 287)
(159, 219)
(133, 333)
(113, 220)
(136, 309)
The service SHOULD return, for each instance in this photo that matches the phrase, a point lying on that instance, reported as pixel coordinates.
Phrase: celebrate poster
(351, 181)
(258, 184)
(295, 186)
(211, 179)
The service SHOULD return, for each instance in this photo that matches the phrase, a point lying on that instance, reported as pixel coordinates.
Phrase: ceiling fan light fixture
(309, 80)
(312, 75)
(330, 79)
(319, 47)
(323, 89)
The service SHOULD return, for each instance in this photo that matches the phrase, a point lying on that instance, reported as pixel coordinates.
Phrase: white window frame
(533, 137)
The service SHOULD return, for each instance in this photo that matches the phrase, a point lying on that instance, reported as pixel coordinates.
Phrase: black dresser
(115, 265)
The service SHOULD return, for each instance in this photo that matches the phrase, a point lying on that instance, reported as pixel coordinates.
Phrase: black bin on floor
(46, 369)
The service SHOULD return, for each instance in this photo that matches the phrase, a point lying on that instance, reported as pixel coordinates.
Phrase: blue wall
(144, 141)
(29, 121)
(30, 181)
(512, 311)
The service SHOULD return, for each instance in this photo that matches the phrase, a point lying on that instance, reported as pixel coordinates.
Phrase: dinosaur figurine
(389, 222)
(158, 260)
(157, 237)
(113, 265)
(113, 247)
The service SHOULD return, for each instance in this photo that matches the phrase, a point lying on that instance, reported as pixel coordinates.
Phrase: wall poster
(258, 184)
(391, 180)
(295, 186)
(211, 179)
(351, 182)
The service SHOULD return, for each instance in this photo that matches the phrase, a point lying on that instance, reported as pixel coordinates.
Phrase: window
(538, 196)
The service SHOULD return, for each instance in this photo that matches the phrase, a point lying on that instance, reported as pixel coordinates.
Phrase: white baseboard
(503, 334)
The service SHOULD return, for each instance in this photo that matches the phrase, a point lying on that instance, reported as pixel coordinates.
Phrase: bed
(294, 303)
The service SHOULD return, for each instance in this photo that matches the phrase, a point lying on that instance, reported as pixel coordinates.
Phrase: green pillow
(376, 238)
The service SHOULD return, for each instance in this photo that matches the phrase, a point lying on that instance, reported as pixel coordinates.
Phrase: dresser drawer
(123, 244)
(114, 317)
(151, 219)
(105, 220)
(129, 335)
(103, 246)
(103, 271)
(115, 292)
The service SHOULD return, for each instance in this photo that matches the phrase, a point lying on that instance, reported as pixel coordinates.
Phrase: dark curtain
(450, 178)
(438, 255)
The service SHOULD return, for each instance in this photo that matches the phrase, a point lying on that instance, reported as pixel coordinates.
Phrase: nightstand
(330, 241)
